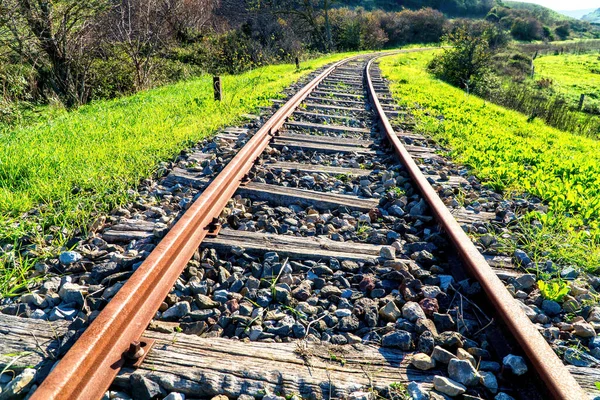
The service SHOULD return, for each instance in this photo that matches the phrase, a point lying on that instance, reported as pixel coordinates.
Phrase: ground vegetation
(512, 154)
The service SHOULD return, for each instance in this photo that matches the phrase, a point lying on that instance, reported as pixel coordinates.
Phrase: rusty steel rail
(90, 366)
(556, 377)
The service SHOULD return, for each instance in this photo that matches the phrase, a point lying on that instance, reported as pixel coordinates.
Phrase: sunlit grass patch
(573, 75)
(82, 161)
(511, 154)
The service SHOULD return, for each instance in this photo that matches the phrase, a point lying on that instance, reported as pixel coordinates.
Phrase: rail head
(559, 382)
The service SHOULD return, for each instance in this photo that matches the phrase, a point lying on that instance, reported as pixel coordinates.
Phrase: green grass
(512, 155)
(14, 274)
(71, 166)
(573, 75)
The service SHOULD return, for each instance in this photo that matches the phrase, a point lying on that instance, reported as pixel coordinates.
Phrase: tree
(56, 38)
(142, 28)
(137, 28)
(309, 13)
(468, 61)
(563, 30)
(371, 34)
(490, 32)
(407, 26)
(187, 18)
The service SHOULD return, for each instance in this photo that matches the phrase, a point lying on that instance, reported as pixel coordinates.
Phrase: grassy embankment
(74, 165)
(573, 75)
(512, 155)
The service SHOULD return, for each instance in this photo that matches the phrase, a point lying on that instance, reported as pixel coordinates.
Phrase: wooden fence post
(581, 99)
(533, 64)
(217, 88)
(297, 63)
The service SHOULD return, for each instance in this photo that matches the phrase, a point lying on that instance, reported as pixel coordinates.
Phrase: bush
(467, 63)
(563, 30)
(361, 30)
(491, 33)
(423, 26)
(544, 83)
(371, 34)
(18, 82)
(111, 77)
(492, 17)
(345, 29)
(527, 29)
(517, 66)
(9, 112)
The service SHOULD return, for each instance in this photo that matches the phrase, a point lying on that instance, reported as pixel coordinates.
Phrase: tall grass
(553, 93)
(62, 171)
(555, 110)
(573, 75)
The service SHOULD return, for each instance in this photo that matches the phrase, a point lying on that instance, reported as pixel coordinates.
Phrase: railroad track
(312, 239)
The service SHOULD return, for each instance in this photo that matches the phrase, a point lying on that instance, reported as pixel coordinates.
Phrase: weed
(273, 281)
(337, 358)
(554, 290)
(252, 321)
(594, 301)
(296, 313)
(176, 332)
(15, 358)
(255, 304)
(14, 274)
(396, 191)
(362, 230)
(569, 317)
(461, 197)
(398, 391)
(343, 177)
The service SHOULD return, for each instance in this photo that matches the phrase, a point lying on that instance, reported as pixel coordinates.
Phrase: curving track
(330, 126)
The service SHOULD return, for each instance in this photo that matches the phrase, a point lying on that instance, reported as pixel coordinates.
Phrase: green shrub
(111, 77)
(467, 63)
(526, 29)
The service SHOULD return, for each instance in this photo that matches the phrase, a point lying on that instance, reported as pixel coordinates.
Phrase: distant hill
(543, 13)
(577, 13)
(592, 17)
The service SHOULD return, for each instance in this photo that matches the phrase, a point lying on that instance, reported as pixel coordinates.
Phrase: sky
(567, 5)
